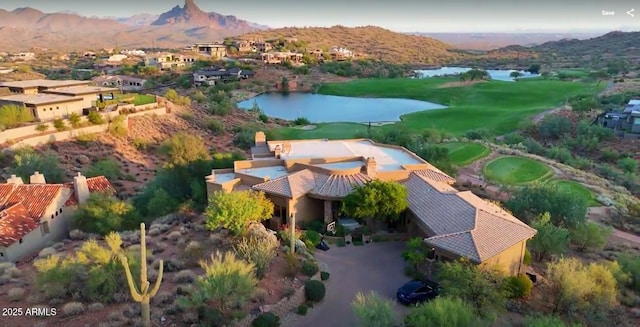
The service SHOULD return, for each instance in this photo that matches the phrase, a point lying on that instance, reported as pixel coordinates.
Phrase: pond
(319, 108)
(496, 74)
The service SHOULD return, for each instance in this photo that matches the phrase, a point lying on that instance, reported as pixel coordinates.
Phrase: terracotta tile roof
(15, 222)
(435, 175)
(340, 185)
(293, 185)
(463, 223)
(95, 184)
(5, 190)
(35, 197)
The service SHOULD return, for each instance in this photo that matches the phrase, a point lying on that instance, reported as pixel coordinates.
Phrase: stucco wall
(31, 244)
(510, 260)
(59, 110)
(59, 136)
(307, 209)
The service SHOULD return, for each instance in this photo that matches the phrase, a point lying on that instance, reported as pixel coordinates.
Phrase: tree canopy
(183, 148)
(442, 312)
(567, 209)
(27, 161)
(102, 214)
(376, 199)
(549, 240)
(235, 211)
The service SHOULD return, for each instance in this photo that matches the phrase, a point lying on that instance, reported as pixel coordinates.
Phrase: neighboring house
(213, 75)
(306, 179)
(282, 57)
(134, 52)
(215, 50)
(35, 215)
(122, 82)
(24, 56)
(117, 58)
(5, 70)
(166, 61)
(51, 99)
(317, 53)
(341, 54)
(625, 123)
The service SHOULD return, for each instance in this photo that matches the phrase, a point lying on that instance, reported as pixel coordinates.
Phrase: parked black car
(417, 291)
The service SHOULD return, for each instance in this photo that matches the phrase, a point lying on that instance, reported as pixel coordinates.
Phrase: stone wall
(282, 308)
(58, 136)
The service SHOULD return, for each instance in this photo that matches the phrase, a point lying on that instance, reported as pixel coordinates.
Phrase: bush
(372, 310)
(534, 147)
(518, 287)
(442, 312)
(215, 126)
(193, 252)
(12, 116)
(263, 117)
(630, 264)
(42, 128)
(317, 226)
(16, 294)
(302, 309)
(629, 165)
(118, 127)
(311, 238)
(527, 257)
(107, 168)
(73, 308)
(314, 290)
(59, 124)
(301, 121)
(185, 277)
(513, 138)
(609, 155)
(95, 118)
(309, 268)
(258, 250)
(553, 127)
(266, 319)
(478, 134)
(580, 163)
(590, 236)
(324, 275)
(559, 154)
(74, 119)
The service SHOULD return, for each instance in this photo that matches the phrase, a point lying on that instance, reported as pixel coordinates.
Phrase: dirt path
(599, 214)
(537, 118)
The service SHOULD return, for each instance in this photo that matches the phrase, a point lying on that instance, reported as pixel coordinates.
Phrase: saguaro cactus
(142, 295)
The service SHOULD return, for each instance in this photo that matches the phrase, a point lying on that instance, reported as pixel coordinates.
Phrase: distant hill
(25, 28)
(374, 41)
(490, 41)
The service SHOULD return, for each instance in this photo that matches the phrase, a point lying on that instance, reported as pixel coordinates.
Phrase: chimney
(81, 188)
(37, 178)
(15, 180)
(371, 167)
(260, 138)
(277, 151)
(212, 178)
(286, 147)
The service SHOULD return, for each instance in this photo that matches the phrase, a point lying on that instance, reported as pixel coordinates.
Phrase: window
(57, 108)
(51, 109)
(60, 211)
(52, 216)
(45, 227)
(1, 254)
(44, 109)
(20, 241)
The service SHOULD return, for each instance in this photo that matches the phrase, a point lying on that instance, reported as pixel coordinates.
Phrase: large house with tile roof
(307, 180)
(34, 215)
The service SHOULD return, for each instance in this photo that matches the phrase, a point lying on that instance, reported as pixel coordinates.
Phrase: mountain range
(25, 28)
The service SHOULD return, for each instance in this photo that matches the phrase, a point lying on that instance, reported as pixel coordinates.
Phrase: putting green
(509, 170)
(465, 153)
(575, 187)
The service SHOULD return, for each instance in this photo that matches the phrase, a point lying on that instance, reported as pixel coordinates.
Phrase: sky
(434, 16)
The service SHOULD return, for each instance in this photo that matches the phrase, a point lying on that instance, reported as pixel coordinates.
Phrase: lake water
(319, 108)
(496, 74)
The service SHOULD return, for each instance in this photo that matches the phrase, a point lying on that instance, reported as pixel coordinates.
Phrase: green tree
(376, 200)
(12, 116)
(284, 85)
(590, 237)
(183, 148)
(630, 265)
(227, 280)
(480, 287)
(567, 209)
(515, 75)
(576, 287)
(27, 161)
(235, 211)
(103, 213)
(553, 127)
(534, 69)
(416, 252)
(549, 240)
(107, 168)
(373, 310)
(442, 312)
(437, 156)
(583, 104)
(162, 203)
(95, 118)
(629, 165)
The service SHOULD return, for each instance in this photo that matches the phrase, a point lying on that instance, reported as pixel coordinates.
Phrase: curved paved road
(375, 267)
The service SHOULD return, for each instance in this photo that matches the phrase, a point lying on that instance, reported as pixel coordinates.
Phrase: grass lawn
(583, 191)
(463, 154)
(142, 99)
(332, 131)
(496, 105)
(509, 170)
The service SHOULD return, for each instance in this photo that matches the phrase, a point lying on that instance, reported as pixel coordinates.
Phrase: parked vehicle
(417, 291)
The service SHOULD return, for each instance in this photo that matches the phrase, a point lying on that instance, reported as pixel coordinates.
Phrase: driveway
(375, 267)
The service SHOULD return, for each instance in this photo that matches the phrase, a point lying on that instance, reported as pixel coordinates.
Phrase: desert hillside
(374, 41)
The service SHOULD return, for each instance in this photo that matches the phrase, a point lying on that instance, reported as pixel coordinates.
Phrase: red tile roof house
(307, 180)
(34, 215)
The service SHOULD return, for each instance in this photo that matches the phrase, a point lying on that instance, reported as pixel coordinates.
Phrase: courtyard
(374, 267)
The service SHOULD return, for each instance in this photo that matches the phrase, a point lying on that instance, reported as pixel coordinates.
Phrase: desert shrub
(259, 251)
(12, 116)
(235, 211)
(244, 137)
(47, 252)
(527, 257)
(549, 240)
(140, 144)
(373, 310)
(118, 126)
(42, 128)
(16, 294)
(185, 277)
(260, 295)
(107, 168)
(193, 252)
(316, 225)
(513, 138)
(266, 319)
(215, 126)
(547, 321)
(301, 121)
(59, 124)
(567, 209)
(26, 161)
(324, 275)
(311, 238)
(73, 308)
(630, 265)
(309, 268)
(607, 171)
(590, 236)
(629, 165)
(581, 163)
(95, 118)
(174, 97)
(184, 148)
(302, 309)
(102, 214)
(559, 154)
(293, 265)
(161, 203)
(314, 290)
(263, 117)
(97, 306)
(518, 287)
(442, 312)
(553, 127)
(534, 147)
(75, 119)
(609, 155)
(478, 134)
